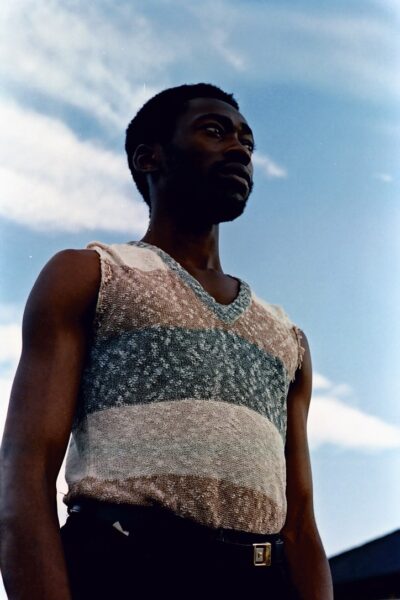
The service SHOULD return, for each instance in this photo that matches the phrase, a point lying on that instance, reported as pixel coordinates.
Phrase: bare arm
(56, 323)
(308, 564)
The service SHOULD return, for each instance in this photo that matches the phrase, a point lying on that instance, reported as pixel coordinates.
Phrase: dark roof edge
(374, 541)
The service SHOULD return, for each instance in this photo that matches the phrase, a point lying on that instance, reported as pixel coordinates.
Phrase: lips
(236, 169)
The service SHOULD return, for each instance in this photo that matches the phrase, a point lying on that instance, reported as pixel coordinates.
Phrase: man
(187, 396)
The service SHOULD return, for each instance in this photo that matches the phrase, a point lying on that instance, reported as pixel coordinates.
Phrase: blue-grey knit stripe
(204, 365)
(227, 313)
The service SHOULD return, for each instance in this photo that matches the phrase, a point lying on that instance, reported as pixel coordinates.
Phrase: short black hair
(156, 120)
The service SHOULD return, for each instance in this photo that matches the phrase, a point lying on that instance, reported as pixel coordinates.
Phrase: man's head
(192, 145)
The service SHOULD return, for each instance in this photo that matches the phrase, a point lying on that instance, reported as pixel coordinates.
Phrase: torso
(169, 367)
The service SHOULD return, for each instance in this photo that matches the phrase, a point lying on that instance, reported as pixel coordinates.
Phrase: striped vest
(182, 402)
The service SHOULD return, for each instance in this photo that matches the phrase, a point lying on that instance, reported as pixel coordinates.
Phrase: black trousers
(104, 563)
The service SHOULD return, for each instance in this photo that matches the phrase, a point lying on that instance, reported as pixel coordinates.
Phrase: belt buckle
(262, 554)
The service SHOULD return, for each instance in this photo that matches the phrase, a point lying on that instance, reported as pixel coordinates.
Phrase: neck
(193, 246)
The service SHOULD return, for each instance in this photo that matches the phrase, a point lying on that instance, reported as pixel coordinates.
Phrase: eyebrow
(226, 121)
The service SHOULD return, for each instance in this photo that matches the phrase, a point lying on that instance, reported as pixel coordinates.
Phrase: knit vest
(182, 401)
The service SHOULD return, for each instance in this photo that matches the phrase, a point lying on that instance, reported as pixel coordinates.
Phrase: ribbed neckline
(226, 312)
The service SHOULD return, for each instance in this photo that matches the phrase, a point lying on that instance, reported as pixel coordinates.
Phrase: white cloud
(344, 53)
(320, 381)
(107, 63)
(219, 40)
(270, 168)
(71, 184)
(333, 421)
(10, 343)
(10, 313)
(81, 55)
(98, 60)
(341, 389)
(6, 379)
(385, 177)
(392, 6)
(10, 350)
(51, 179)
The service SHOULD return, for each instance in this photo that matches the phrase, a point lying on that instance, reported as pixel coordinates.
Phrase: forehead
(197, 107)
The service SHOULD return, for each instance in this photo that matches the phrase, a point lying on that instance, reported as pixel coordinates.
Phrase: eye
(214, 129)
(249, 144)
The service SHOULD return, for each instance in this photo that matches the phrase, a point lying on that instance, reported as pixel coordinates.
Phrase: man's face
(208, 171)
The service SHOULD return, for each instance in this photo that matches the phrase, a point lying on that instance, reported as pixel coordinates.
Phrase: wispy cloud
(333, 421)
(51, 179)
(232, 57)
(392, 6)
(348, 53)
(6, 379)
(385, 177)
(10, 313)
(80, 55)
(98, 60)
(10, 350)
(10, 343)
(320, 381)
(268, 167)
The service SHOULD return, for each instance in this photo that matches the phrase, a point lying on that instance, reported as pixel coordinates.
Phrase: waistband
(150, 519)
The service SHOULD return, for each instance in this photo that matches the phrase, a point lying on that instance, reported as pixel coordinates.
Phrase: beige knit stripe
(212, 502)
(129, 256)
(200, 437)
(161, 298)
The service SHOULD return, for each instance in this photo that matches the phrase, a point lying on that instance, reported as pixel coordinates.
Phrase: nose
(237, 152)
(241, 156)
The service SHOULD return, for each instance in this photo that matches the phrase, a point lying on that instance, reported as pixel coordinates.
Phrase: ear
(145, 159)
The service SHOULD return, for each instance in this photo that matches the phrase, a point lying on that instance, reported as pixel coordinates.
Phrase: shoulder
(67, 286)
(82, 262)
(74, 272)
(136, 255)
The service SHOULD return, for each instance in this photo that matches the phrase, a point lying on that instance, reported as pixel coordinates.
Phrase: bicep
(299, 487)
(45, 388)
(42, 400)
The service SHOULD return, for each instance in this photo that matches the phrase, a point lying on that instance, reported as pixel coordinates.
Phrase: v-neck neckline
(226, 312)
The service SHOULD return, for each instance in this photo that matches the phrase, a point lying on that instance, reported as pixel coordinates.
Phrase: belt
(261, 550)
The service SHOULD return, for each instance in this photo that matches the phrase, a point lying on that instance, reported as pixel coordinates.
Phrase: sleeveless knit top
(182, 401)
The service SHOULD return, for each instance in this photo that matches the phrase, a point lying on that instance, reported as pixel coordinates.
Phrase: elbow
(301, 528)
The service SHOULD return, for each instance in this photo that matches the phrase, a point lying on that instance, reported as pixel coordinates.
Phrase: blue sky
(318, 82)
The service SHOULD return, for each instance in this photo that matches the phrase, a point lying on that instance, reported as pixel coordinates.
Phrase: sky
(318, 83)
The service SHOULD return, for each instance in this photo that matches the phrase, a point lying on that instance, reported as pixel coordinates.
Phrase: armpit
(300, 348)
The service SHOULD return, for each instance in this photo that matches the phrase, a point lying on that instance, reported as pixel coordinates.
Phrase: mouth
(237, 173)
(236, 180)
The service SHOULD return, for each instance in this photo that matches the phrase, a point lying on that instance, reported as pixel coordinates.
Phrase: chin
(228, 208)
